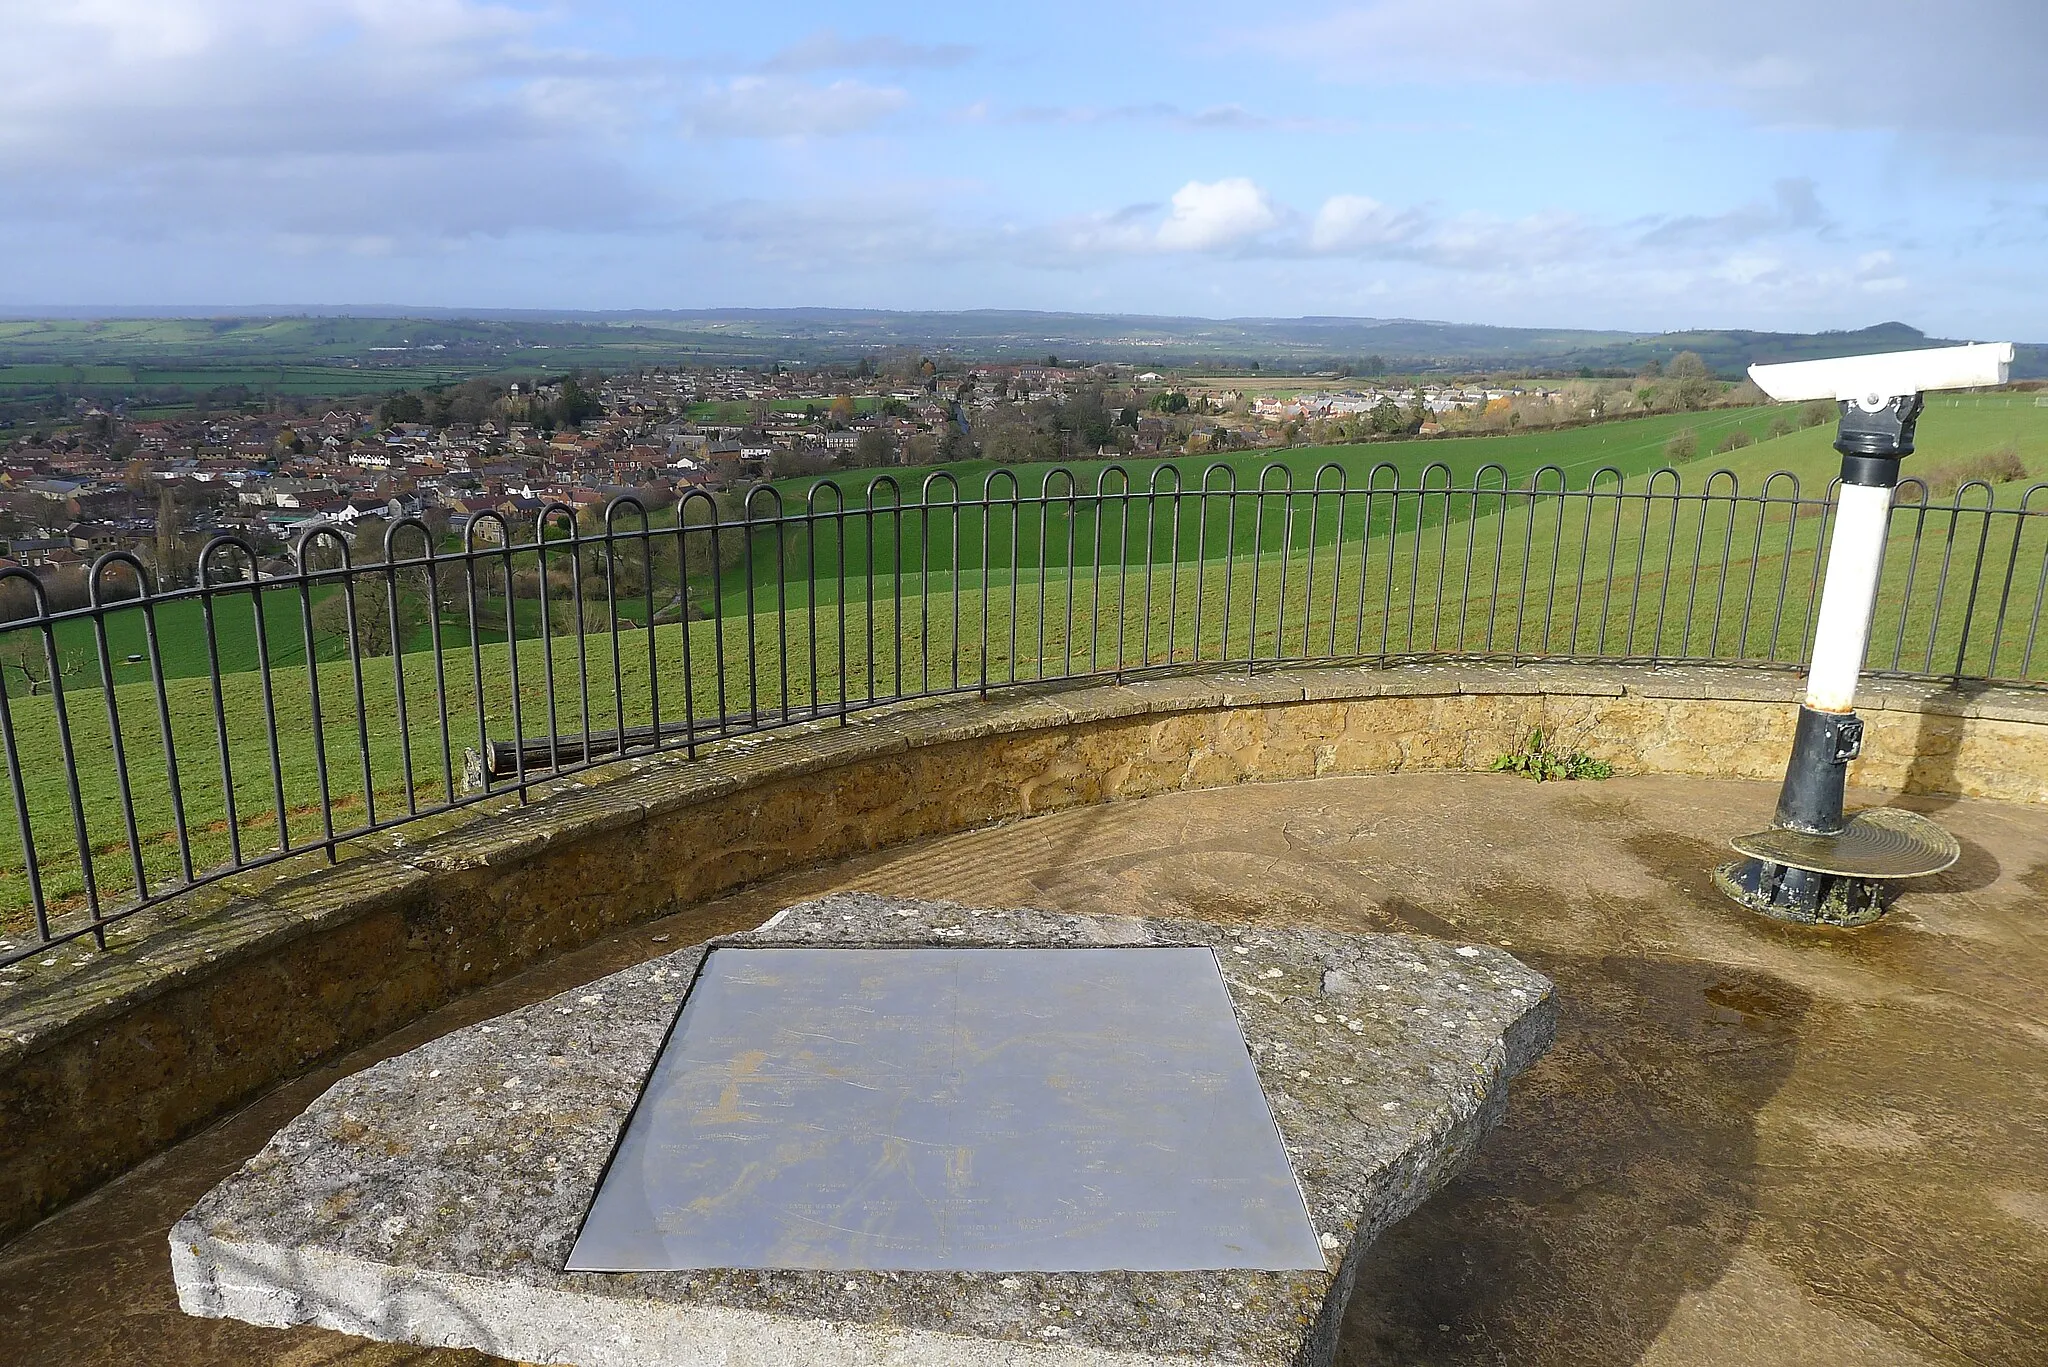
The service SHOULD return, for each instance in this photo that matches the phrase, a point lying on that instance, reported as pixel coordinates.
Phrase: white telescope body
(1848, 598)
(1863, 511)
(1872, 381)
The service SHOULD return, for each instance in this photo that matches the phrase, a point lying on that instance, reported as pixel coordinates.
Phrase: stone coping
(74, 985)
(433, 1198)
(107, 1057)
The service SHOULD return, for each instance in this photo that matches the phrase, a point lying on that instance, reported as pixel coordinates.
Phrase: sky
(1772, 164)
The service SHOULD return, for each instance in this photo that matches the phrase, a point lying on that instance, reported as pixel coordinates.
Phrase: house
(92, 537)
(35, 550)
(56, 490)
(463, 511)
(725, 460)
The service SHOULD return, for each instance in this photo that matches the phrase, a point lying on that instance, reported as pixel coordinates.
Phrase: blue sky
(1600, 163)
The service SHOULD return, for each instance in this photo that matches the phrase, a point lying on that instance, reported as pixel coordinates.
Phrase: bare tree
(24, 658)
(1693, 385)
(372, 605)
(172, 563)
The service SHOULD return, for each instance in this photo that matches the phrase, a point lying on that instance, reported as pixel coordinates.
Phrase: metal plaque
(987, 1110)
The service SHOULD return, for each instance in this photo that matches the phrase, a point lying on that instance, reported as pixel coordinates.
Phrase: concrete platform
(434, 1198)
(1751, 1143)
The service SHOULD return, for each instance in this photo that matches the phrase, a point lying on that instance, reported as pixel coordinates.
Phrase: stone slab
(433, 1198)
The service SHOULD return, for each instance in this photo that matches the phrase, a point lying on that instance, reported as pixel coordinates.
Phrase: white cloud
(408, 121)
(1967, 78)
(1879, 273)
(1356, 223)
(825, 233)
(828, 50)
(1206, 216)
(1794, 206)
(98, 77)
(1229, 118)
(777, 107)
(1236, 217)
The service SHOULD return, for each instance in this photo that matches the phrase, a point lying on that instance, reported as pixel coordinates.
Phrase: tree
(171, 566)
(797, 461)
(23, 657)
(372, 613)
(1387, 417)
(404, 406)
(574, 404)
(1682, 447)
(1692, 384)
(1088, 419)
(842, 410)
(955, 443)
(872, 449)
(1010, 437)
(366, 545)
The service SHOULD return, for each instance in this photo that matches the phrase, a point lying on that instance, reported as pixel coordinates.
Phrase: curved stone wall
(106, 1059)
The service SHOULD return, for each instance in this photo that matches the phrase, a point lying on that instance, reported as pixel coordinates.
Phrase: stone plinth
(435, 1198)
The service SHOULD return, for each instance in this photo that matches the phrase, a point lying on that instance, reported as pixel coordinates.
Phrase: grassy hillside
(1639, 571)
(1071, 529)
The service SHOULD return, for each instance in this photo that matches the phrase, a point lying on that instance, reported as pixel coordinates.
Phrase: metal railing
(158, 740)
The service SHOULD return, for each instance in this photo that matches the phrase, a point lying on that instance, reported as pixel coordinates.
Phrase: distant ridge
(156, 337)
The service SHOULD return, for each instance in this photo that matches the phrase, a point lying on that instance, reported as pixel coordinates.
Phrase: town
(268, 470)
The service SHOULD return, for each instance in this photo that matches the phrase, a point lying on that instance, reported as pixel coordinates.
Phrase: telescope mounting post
(1813, 864)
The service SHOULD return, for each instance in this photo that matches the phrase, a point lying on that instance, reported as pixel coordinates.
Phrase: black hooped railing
(157, 740)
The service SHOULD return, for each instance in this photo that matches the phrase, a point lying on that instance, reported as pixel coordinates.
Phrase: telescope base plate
(1839, 880)
(1882, 842)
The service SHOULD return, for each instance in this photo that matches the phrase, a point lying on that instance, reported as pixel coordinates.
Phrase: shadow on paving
(1751, 1143)
(1623, 1177)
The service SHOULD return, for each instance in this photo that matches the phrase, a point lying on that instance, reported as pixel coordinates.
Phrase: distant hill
(471, 341)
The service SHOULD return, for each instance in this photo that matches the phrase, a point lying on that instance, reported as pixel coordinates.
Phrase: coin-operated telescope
(1813, 865)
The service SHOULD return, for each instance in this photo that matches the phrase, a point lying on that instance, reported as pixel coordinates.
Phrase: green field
(17, 380)
(1064, 534)
(1072, 528)
(730, 412)
(1069, 585)
(346, 355)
